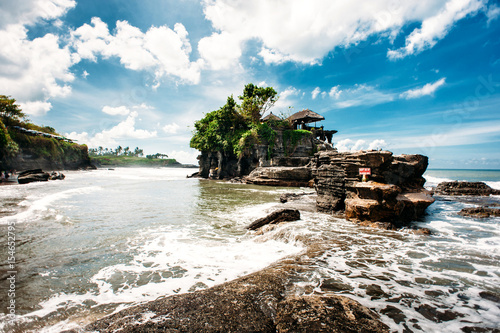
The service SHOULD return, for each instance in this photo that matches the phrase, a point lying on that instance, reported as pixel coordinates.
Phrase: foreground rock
(254, 303)
(29, 176)
(282, 215)
(465, 188)
(480, 212)
(394, 194)
(280, 176)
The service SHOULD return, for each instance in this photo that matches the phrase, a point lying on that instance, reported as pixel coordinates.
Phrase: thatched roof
(306, 116)
(271, 116)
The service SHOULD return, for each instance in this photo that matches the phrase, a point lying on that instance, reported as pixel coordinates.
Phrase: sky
(409, 76)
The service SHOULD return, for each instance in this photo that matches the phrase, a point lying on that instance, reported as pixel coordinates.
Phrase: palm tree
(119, 150)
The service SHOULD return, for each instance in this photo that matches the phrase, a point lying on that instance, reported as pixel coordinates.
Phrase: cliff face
(46, 153)
(393, 194)
(286, 150)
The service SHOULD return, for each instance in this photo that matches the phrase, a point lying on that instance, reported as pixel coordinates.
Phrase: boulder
(394, 194)
(465, 188)
(280, 176)
(282, 215)
(36, 175)
(57, 176)
(480, 212)
(285, 197)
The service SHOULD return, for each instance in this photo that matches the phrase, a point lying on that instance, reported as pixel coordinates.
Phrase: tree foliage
(256, 101)
(219, 130)
(9, 110)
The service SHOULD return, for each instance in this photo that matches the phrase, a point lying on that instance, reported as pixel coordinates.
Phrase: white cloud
(428, 89)
(161, 49)
(221, 50)
(436, 27)
(33, 71)
(124, 130)
(171, 128)
(493, 13)
(335, 92)
(115, 111)
(315, 92)
(348, 145)
(305, 31)
(284, 100)
(28, 12)
(36, 108)
(185, 157)
(359, 94)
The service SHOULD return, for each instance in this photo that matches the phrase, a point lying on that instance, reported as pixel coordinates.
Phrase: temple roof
(306, 116)
(271, 116)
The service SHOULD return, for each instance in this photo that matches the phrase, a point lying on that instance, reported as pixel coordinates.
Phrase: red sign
(365, 171)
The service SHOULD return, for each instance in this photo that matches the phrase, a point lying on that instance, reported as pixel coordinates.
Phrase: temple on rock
(301, 119)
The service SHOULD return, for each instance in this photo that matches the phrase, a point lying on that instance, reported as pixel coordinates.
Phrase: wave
(36, 206)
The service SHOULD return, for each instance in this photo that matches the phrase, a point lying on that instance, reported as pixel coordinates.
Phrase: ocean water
(103, 240)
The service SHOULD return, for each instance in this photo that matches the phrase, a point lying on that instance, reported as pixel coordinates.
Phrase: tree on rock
(256, 101)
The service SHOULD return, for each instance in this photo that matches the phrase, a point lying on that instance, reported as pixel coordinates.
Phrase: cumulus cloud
(304, 32)
(34, 70)
(115, 111)
(436, 27)
(171, 128)
(285, 97)
(427, 89)
(28, 12)
(124, 130)
(162, 50)
(348, 145)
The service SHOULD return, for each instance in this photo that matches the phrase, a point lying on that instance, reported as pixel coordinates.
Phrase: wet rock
(480, 212)
(280, 176)
(334, 314)
(29, 176)
(57, 176)
(464, 188)
(253, 303)
(282, 215)
(394, 313)
(285, 197)
(490, 296)
(471, 329)
(435, 315)
(375, 291)
(334, 285)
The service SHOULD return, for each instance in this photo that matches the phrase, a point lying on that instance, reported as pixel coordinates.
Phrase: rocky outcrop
(394, 194)
(282, 215)
(280, 176)
(479, 212)
(223, 165)
(465, 188)
(30, 176)
(259, 302)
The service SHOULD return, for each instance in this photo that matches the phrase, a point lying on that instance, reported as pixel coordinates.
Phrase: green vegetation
(15, 137)
(123, 161)
(236, 129)
(126, 157)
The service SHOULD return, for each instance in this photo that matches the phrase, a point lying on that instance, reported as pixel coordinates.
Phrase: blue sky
(408, 76)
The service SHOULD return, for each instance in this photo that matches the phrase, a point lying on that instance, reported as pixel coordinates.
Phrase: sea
(75, 250)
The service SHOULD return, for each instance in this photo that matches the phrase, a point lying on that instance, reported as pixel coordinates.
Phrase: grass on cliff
(125, 161)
